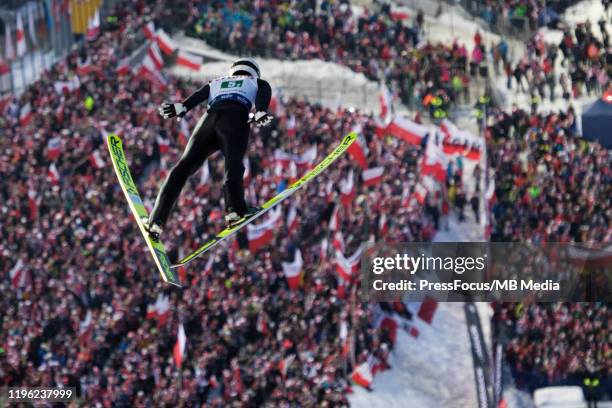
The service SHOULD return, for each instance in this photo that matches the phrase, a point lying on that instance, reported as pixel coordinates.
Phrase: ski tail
(318, 169)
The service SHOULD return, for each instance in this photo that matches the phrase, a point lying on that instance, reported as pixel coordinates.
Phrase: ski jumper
(223, 127)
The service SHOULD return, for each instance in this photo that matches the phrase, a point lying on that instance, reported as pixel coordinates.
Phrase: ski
(228, 232)
(158, 252)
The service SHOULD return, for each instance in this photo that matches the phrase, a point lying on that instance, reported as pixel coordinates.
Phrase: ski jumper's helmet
(245, 66)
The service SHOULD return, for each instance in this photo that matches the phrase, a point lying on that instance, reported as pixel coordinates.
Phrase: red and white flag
(165, 42)
(25, 114)
(323, 250)
(163, 143)
(291, 126)
(338, 241)
(359, 152)
(283, 158)
(149, 30)
(149, 71)
(123, 68)
(184, 133)
(435, 162)
(363, 373)
(262, 234)
(159, 310)
(307, 158)
(293, 270)
(33, 204)
(347, 189)
(95, 158)
(383, 227)
(373, 176)
(178, 352)
(67, 86)
(54, 148)
(189, 60)
(18, 274)
(86, 328)
(407, 130)
(334, 221)
(155, 55)
(292, 220)
(348, 267)
(93, 26)
(21, 41)
(53, 174)
(386, 104)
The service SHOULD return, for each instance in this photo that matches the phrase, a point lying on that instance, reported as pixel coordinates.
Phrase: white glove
(262, 119)
(170, 110)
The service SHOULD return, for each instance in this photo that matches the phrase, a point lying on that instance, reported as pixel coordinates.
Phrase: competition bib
(242, 89)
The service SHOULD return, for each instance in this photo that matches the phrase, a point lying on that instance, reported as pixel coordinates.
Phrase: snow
(328, 83)
(432, 370)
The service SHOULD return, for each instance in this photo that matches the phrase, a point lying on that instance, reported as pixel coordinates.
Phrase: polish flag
(474, 149)
(359, 152)
(123, 68)
(178, 352)
(32, 204)
(291, 126)
(9, 50)
(189, 60)
(362, 375)
(372, 176)
(86, 328)
(53, 174)
(149, 30)
(347, 189)
(165, 42)
(420, 193)
(334, 221)
(95, 158)
(386, 104)
(25, 114)
(383, 228)
(348, 267)
(67, 86)
(292, 220)
(283, 158)
(164, 144)
(293, 175)
(407, 130)
(18, 275)
(159, 310)
(293, 270)
(21, 42)
(435, 162)
(184, 132)
(93, 26)
(284, 364)
(262, 234)
(149, 71)
(307, 158)
(155, 55)
(84, 67)
(54, 148)
(338, 241)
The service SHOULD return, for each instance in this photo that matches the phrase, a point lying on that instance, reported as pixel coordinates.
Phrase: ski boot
(154, 230)
(232, 218)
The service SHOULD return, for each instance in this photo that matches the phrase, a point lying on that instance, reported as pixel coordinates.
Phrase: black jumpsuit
(223, 127)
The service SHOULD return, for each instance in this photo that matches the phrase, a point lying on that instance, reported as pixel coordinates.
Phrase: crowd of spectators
(84, 259)
(579, 65)
(380, 43)
(552, 186)
(78, 316)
